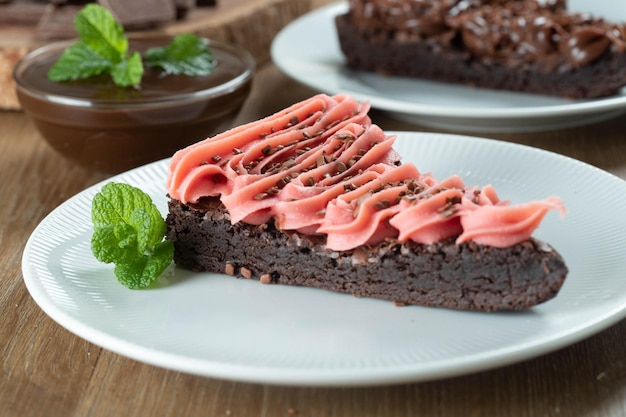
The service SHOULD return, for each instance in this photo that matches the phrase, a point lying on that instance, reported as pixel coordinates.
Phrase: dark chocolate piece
(22, 12)
(466, 276)
(141, 14)
(183, 7)
(58, 23)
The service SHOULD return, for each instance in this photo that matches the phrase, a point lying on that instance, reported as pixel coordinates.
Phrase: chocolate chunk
(22, 12)
(141, 14)
(58, 23)
(183, 7)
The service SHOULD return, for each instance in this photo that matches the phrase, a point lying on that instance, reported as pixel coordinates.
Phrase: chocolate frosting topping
(511, 31)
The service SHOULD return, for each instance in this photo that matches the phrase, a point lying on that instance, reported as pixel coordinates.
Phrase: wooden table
(47, 371)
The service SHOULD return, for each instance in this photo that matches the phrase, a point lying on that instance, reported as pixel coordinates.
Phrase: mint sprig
(102, 48)
(78, 61)
(129, 231)
(187, 54)
(98, 29)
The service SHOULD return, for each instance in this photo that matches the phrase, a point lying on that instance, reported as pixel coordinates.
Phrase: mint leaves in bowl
(111, 103)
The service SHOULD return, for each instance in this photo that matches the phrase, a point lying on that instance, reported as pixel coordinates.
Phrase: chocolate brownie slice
(467, 276)
(520, 45)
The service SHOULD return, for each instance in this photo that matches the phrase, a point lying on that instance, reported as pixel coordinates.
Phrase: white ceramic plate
(229, 328)
(308, 51)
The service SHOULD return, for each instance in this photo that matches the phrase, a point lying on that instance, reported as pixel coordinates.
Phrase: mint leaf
(78, 61)
(187, 54)
(114, 244)
(97, 27)
(128, 72)
(129, 231)
(103, 49)
(143, 270)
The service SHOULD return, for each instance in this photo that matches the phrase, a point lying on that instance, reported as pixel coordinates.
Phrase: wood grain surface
(46, 371)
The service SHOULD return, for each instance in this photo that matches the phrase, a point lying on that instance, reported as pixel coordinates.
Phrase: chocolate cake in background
(534, 46)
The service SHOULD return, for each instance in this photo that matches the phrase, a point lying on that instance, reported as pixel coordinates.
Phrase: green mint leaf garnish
(143, 271)
(97, 27)
(129, 231)
(187, 54)
(78, 61)
(103, 48)
(128, 72)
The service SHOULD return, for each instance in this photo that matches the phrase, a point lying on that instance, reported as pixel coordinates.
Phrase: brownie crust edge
(466, 276)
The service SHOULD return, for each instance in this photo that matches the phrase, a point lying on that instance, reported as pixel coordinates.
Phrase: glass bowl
(110, 129)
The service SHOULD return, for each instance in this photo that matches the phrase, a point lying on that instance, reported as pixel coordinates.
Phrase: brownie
(520, 45)
(466, 276)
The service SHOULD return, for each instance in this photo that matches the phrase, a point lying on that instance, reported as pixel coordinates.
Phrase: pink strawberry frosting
(322, 167)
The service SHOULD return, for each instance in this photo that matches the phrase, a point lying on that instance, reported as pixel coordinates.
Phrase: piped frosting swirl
(321, 167)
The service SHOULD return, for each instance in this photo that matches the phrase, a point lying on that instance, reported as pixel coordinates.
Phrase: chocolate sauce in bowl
(154, 84)
(110, 129)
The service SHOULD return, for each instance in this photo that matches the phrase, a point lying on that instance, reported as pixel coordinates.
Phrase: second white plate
(308, 51)
(219, 326)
